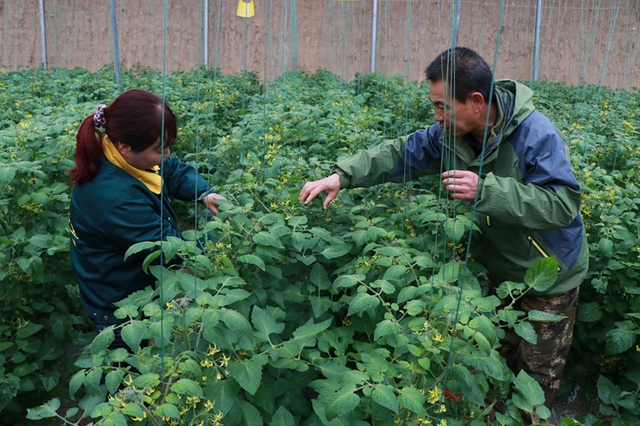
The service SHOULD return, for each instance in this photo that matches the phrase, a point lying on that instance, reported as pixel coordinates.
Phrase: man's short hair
(467, 69)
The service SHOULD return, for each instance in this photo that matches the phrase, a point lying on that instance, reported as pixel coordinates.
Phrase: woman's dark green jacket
(111, 213)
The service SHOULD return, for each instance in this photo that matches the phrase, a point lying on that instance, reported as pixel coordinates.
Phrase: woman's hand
(210, 202)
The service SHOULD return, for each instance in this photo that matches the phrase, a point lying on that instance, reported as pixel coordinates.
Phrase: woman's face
(147, 158)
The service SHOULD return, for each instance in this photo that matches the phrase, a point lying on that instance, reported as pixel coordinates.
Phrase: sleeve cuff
(345, 181)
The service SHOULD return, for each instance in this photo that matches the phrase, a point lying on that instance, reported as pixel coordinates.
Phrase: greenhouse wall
(577, 37)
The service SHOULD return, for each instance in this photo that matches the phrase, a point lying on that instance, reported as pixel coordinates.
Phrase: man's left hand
(462, 184)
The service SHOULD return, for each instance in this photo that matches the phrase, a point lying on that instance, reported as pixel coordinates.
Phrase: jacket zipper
(537, 246)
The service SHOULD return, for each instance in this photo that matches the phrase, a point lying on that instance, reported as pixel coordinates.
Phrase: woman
(119, 198)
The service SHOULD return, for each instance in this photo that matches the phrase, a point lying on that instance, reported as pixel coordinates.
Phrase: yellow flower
(213, 351)
(434, 395)
(224, 361)
(192, 400)
(139, 419)
(441, 409)
(128, 380)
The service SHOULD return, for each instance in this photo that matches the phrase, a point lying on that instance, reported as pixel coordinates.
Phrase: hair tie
(98, 116)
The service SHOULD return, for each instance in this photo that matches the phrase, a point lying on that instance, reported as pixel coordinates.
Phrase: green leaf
(310, 330)
(384, 395)
(264, 323)
(6, 175)
(282, 417)
(187, 387)
(395, 272)
(411, 399)
(191, 366)
(248, 374)
(49, 382)
(343, 402)
(117, 419)
(543, 412)
(92, 380)
(384, 285)
(5, 345)
(133, 333)
(267, 239)
(252, 260)
(41, 240)
(621, 338)
(336, 251)
(237, 322)
(102, 410)
(137, 248)
(470, 390)
(362, 302)
(224, 393)
(145, 380)
(589, 312)
(489, 365)
(415, 307)
(102, 340)
(526, 331)
(44, 411)
(250, 414)
(606, 247)
(114, 379)
(348, 280)
(407, 293)
(386, 328)
(133, 410)
(298, 240)
(544, 316)
(483, 343)
(167, 410)
(298, 220)
(319, 277)
(528, 392)
(76, 381)
(28, 330)
(483, 325)
(542, 275)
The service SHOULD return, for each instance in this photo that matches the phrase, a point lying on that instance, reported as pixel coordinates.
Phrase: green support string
(195, 195)
(164, 86)
(595, 108)
(473, 213)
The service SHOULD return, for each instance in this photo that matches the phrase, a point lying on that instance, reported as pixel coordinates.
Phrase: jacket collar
(151, 179)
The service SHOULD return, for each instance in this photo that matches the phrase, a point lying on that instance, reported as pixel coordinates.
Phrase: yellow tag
(245, 10)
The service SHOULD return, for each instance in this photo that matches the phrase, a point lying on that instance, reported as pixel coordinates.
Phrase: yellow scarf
(152, 180)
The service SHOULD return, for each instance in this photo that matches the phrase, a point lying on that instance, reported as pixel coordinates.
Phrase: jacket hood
(523, 106)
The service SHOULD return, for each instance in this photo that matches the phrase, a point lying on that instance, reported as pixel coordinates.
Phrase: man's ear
(477, 100)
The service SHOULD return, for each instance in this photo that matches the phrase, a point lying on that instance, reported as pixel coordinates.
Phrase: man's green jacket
(529, 200)
(111, 213)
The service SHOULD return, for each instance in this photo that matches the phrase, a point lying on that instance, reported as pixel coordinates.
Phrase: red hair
(133, 118)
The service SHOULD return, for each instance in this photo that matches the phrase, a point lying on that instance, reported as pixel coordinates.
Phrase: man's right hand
(330, 186)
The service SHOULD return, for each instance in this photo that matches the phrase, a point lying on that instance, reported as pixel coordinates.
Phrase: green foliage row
(294, 315)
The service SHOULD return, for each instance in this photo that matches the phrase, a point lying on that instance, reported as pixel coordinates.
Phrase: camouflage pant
(544, 361)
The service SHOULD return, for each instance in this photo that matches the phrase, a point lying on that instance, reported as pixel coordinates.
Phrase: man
(528, 200)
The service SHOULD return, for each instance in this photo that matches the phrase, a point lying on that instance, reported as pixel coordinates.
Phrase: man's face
(455, 117)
